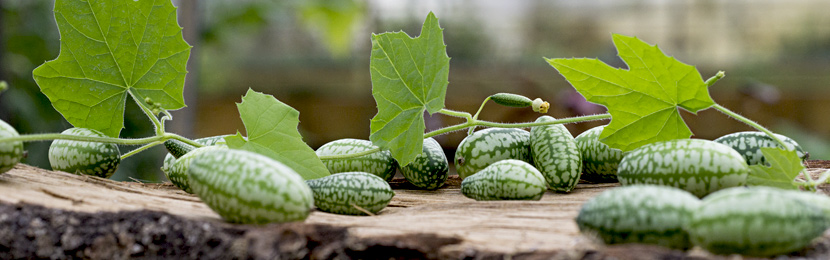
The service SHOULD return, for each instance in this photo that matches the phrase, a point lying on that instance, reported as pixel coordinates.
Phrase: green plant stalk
(475, 117)
(473, 123)
(109, 140)
(142, 148)
(147, 111)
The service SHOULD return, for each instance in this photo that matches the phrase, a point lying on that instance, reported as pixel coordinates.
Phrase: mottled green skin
(88, 158)
(555, 154)
(10, 153)
(645, 214)
(177, 148)
(756, 221)
(380, 163)
(429, 170)
(249, 188)
(599, 162)
(177, 172)
(695, 165)
(344, 192)
(505, 180)
(749, 143)
(207, 141)
(491, 145)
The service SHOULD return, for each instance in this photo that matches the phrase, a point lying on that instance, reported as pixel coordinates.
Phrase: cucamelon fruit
(177, 171)
(491, 145)
(429, 169)
(511, 100)
(755, 221)
(88, 158)
(249, 188)
(599, 162)
(505, 180)
(10, 152)
(351, 193)
(749, 143)
(182, 148)
(646, 214)
(380, 163)
(555, 155)
(695, 165)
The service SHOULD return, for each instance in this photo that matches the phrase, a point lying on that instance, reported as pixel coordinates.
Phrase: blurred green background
(314, 56)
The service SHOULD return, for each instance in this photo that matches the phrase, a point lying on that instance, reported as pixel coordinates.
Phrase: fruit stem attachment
(475, 117)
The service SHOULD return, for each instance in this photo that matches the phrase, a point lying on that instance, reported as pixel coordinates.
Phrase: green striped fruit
(646, 214)
(749, 144)
(177, 171)
(599, 162)
(491, 145)
(249, 188)
(756, 221)
(511, 100)
(380, 163)
(351, 193)
(171, 158)
(429, 169)
(505, 180)
(695, 165)
(10, 152)
(79, 157)
(177, 148)
(555, 154)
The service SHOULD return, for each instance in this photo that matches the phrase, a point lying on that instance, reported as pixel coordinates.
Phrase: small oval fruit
(749, 143)
(170, 158)
(755, 221)
(505, 180)
(350, 193)
(491, 145)
(429, 169)
(10, 152)
(177, 172)
(695, 165)
(511, 100)
(380, 163)
(599, 162)
(79, 157)
(646, 214)
(249, 188)
(555, 154)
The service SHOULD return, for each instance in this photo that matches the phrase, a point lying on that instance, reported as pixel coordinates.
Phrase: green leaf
(111, 49)
(272, 131)
(409, 76)
(642, 100)
(785, 165)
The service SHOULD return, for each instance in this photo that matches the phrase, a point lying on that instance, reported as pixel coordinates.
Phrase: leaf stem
(454, 113)
(749, 122)
(158, 125)
(142, 148)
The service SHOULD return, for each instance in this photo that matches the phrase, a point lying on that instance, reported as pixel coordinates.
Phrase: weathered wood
(131, 219)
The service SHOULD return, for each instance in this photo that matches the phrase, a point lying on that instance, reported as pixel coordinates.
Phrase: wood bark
(49, 214)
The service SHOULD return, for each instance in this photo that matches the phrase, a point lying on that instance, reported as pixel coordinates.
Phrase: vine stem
(142, 148)
(475, 117)
(749, 122)
(473, 123)
(109, 140)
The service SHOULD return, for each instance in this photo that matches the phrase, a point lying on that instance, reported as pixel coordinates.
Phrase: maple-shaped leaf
(272, 131)
(409, 76)
(784, 167)
(643, 100)
(109, 50)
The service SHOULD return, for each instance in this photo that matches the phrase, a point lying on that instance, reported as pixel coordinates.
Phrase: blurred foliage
(335, 21)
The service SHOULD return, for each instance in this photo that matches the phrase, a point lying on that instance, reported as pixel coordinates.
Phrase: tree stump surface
(51, 214)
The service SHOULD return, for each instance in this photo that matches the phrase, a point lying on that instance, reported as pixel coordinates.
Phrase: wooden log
(49, 214)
